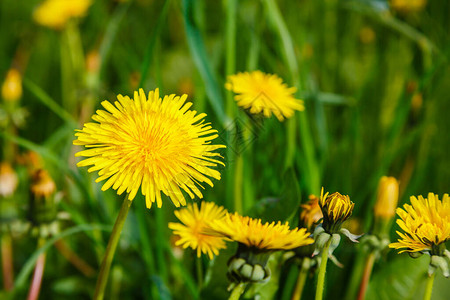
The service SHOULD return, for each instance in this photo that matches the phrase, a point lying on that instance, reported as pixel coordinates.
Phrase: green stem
(322, 270)
(297, 294)
(429, 287)
(366, 276)
(199, 265)
(111, 249)
(238, 172)
(237, 291)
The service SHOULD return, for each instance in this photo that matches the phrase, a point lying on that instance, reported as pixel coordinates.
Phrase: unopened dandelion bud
(336, 208)
(387, 198)
(12, 86)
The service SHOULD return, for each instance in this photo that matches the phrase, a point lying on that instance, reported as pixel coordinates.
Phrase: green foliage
(375, 82)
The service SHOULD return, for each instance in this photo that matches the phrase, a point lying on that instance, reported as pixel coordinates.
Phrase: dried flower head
(42, 185)
(264, 93)
(311, 212)
(157, 145)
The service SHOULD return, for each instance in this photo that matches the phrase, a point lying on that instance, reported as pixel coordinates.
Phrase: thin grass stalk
(38, 274)
(322, 270)
(7, 262)
(111, 249)
(366, 276)
(429, 287)
(301, 280)
(74, 259)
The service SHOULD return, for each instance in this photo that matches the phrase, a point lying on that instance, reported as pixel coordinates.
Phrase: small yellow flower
(336, 208)
(311, 212)
(387, 198)
(12, 86)
(426, 224)
(195, 222)
(261, 237)
(8, 180)
(56, 13)
(406, 6)
(157, 145)
(264, 93)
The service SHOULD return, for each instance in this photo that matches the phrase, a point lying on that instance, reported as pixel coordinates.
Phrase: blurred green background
(376, 86)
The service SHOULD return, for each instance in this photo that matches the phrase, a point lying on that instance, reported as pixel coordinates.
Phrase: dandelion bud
(387, 198)
(43, 186)
(311, 213)
(12, 86)
(336, 208)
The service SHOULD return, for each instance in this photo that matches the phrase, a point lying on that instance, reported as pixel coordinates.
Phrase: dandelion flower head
(155, 144)
(194, 223)
(264, 93)
(336, 208)
(425, 222)
(261, 237)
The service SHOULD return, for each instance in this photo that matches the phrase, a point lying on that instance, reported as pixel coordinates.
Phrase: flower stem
(38, 274)
(198, 262)
(237, 291)
(322, 270)
(366, 276)
(429, 287)
(301, 279)
(111, 249)
(7, 262)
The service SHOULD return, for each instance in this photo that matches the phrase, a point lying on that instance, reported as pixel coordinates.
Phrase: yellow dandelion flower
(264, 93)
(336, 208)
(311, 212)
(56, 13)
(12, 86)
(261, 237)
(426, 224)
(195, 222)
(155, 144)
(387, 198)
